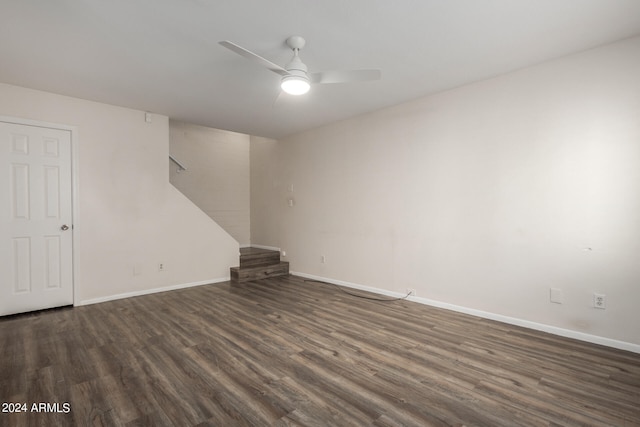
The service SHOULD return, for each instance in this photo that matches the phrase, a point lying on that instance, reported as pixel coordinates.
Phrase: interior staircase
(257, 263)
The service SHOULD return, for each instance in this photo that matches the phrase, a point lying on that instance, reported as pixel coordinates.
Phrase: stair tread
(251, 250)
(261, 267)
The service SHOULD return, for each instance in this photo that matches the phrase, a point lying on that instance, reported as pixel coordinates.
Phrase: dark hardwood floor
(286, 352)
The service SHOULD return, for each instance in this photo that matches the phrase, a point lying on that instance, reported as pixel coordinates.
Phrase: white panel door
(35, 218)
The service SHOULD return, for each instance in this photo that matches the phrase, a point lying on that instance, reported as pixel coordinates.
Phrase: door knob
(64, 227)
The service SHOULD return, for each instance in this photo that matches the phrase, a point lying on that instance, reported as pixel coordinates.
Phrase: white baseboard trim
(149, 291)
(567, 333)
(271, 248)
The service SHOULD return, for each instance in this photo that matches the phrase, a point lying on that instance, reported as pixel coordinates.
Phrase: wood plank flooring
(286, 352)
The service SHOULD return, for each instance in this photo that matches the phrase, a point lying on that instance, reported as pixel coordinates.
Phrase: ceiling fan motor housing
(297, 80)
(296, 65)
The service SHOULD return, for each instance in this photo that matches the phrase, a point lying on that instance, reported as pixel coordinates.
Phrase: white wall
(217, 175)
(129, 216)
(267, 197)
(481, 197)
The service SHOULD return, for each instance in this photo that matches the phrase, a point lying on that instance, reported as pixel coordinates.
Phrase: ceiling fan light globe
(295, 85)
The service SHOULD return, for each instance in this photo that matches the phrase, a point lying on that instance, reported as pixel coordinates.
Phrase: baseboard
(567, 333)
(150, 291)
(271, 248)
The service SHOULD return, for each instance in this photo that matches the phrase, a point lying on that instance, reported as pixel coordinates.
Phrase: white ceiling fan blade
(345, 76)
(252, 56)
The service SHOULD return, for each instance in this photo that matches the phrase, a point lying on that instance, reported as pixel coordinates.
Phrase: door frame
(75, 217)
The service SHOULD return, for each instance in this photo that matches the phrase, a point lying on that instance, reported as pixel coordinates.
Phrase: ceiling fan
(295, 78)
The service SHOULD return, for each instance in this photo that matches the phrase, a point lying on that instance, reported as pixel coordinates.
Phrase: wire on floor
(360, 296)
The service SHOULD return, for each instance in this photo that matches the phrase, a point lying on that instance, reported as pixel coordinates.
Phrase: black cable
(359, 296)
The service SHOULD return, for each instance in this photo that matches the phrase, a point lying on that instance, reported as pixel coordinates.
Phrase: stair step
(245, 274)
(256, 257)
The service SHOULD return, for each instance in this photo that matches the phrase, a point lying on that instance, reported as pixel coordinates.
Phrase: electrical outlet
(599, 301)
(162, 267)
(411, 291)
(322, 259)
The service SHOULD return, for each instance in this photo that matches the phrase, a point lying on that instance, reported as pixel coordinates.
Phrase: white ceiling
(163, 55)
